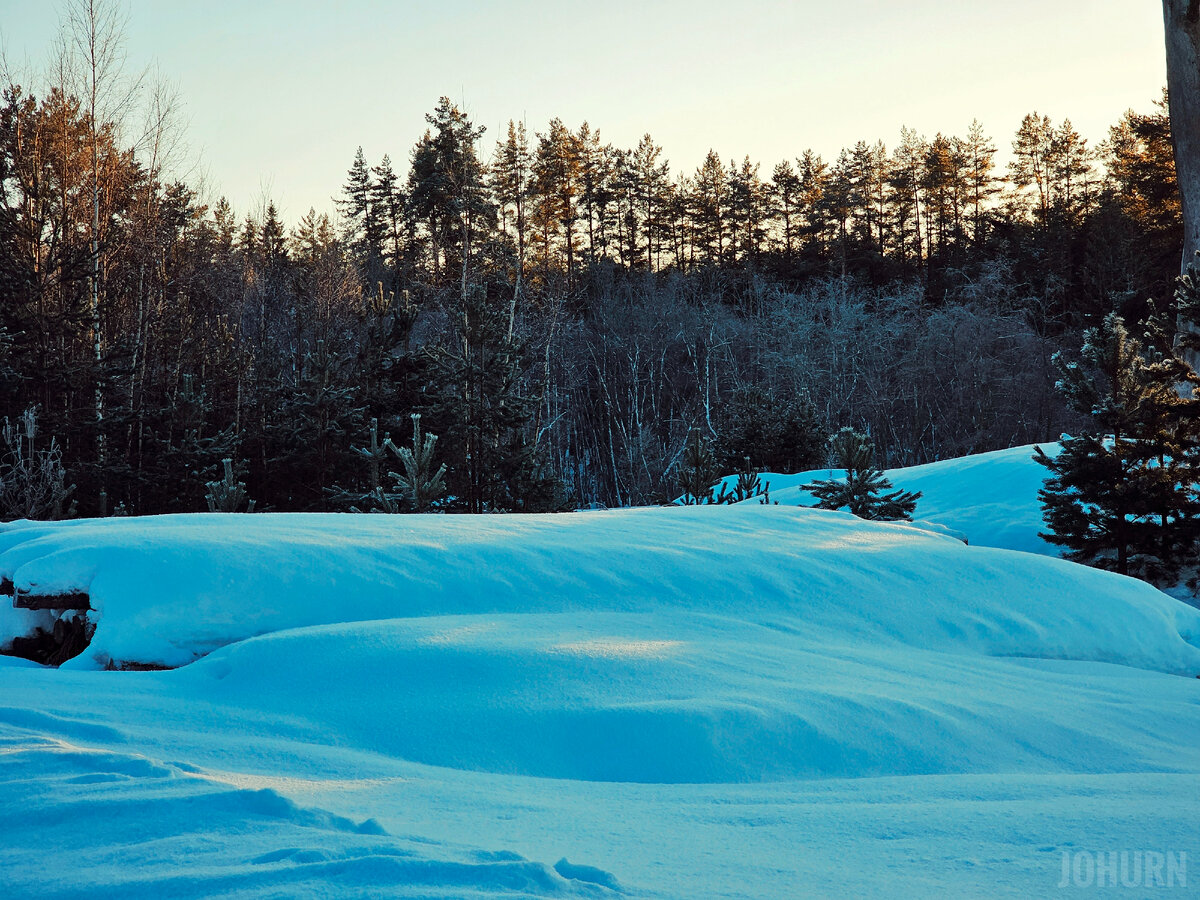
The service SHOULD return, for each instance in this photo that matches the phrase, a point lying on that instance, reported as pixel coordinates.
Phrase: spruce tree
(364, 208)
(1122, 494)
(180, 444)
(866, 492)
(385, 221)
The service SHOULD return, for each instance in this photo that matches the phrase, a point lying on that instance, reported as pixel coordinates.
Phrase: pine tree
(308, 431)
(652, 184)
(388, 373)
(375, 499)
(481, 409)
(698, 474)
(905, 179)
(746, 486)
(420, 483)
(33, 483)
(181, 444)
(866, 492)
(511, 183)
(228, 494)
(1122, 495)
(385, 223)
(1032, 160)
(978, 156)
(595, 189)
(710, 205)
(814, 180)
(747, 209)
(447, 191)
(785, 187)
(556, 183)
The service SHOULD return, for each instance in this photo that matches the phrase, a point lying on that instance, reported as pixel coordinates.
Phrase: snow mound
(681, 697)
(677, 645)
(167, 590)
(989, 498)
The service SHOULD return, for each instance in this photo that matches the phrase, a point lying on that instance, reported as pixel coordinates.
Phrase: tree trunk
(1181, 19)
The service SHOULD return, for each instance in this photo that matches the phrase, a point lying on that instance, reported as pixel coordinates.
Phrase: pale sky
(278, 95)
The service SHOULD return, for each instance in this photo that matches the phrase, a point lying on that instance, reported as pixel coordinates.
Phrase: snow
(20, 621)
(750, 701)
(988, 498)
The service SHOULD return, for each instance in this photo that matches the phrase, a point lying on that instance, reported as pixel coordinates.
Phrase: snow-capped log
(67, 600)
(45, 643)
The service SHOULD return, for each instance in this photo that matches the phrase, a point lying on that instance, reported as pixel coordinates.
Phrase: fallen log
(67, 639)
(66, 600)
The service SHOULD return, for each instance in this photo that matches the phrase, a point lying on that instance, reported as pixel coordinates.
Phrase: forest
(564, 314)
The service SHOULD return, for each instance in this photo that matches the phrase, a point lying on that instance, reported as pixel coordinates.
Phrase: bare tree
(94, 32)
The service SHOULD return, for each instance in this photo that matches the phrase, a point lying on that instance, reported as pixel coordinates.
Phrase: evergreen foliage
(420, 484)
(1124, 494)
(747, 486)
(778, 432)
(32, 479)
(1184, 307)
(865, 492)
(375, 499)
(181, 443)
(483, 413)
(309, 429)
(559, 317)
(698, 473)
(374, 453)
(228, 494)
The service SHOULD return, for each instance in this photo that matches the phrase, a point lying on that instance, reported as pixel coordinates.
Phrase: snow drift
(988, 498)
(701, 644)
(170, 589)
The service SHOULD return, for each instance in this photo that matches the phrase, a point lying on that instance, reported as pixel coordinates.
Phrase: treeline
(563, 313)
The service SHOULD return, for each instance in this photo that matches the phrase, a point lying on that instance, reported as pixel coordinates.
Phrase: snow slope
(991, 498)
(737, 701)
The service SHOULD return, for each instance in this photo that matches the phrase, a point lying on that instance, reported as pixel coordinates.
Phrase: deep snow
(989, 498)
(742, 701)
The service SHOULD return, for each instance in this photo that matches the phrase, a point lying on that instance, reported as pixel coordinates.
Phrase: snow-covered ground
(750, 701)
(990, 498)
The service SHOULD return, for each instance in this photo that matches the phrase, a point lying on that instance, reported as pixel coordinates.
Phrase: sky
(277, 96)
